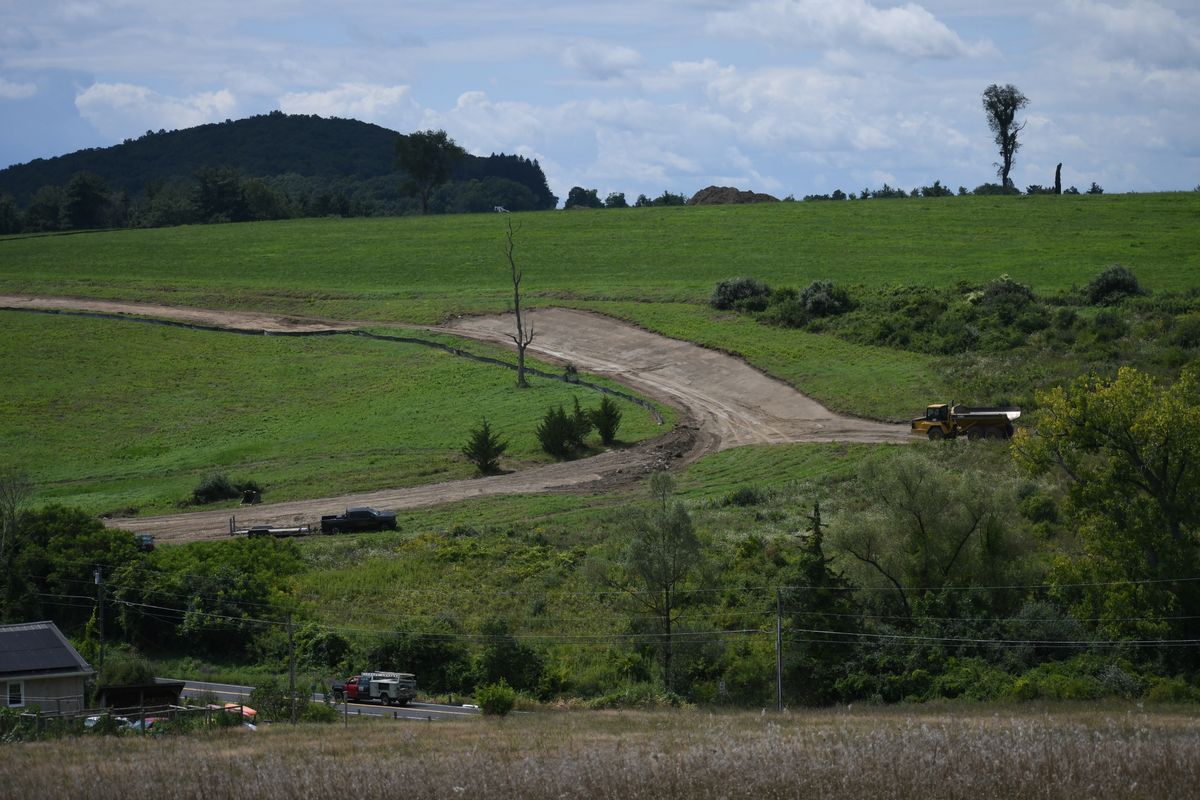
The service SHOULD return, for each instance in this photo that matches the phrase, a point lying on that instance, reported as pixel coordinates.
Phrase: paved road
(232, 693)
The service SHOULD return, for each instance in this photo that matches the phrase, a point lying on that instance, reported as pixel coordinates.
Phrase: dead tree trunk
(1058, 179)
(524, 335)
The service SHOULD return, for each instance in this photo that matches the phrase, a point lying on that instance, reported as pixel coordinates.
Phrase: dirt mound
(724, 195)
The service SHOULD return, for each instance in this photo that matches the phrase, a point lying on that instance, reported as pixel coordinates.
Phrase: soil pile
(724, 195)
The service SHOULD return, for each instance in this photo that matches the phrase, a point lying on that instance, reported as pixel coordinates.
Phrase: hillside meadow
(1068, 752)
(113, 415)
(655, 267)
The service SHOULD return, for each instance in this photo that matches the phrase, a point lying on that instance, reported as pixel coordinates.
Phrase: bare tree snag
(524, 335)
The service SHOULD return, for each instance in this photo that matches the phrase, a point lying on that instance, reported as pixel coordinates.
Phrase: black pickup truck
(358, 519)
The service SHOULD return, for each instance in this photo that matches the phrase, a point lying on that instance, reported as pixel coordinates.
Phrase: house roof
(36, 648)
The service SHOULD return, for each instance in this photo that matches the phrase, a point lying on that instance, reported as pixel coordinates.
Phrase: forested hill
(341, 153)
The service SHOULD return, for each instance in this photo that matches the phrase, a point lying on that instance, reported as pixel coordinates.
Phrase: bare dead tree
(15, 491)
(524, 335)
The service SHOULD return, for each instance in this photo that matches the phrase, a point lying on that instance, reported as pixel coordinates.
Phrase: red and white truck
(389, 688)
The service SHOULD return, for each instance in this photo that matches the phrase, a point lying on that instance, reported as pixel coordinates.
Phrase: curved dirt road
(722, 402)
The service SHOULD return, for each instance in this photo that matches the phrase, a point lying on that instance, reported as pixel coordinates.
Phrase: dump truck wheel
(935, 434)
(974, 435)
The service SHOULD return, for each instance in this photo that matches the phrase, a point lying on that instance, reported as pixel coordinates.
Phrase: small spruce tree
(607, 419)
(484, 448)
(555, 432)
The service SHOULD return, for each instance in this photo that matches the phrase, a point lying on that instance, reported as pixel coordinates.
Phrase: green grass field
(421, 269)
(654, 267)
(109, 414)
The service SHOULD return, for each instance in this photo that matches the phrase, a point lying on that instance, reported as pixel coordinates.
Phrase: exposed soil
(721, 400)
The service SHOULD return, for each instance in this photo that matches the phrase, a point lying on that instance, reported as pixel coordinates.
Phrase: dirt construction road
(722, 402)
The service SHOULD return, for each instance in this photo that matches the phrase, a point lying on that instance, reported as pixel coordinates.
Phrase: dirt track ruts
(722, 402)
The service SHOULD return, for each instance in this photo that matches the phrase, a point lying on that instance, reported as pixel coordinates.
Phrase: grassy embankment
(1064, 752)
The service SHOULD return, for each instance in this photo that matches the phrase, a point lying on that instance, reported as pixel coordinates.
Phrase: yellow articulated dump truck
(944, 421)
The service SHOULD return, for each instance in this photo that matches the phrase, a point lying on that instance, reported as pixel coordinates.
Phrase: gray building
(39, 668)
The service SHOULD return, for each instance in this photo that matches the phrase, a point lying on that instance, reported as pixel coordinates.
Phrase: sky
(788, 97)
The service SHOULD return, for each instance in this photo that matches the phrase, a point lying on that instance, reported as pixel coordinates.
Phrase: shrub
(581, 425)
(556, 432)
(744, 496)
(1005, 291)
(823, 299)
(125, 670)
(496, 699)
(217, 487)
(742, 293)
(1112, 286)
(270, 700)
(1186, 332)
(638, 695)
(995, 188)
(484, 448)
(1096, 189)
(1172, 690)
(607, 419)
(214, 488)
(318, 712)
(1108, 327)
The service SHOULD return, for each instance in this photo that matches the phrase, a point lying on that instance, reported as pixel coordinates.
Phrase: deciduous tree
(664, 551)
(1130, 451)
(429, 158)
(1001, 104)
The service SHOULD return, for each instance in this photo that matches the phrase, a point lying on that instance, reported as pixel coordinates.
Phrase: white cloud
(1143, 31)
(120, 110)
(367, 102)
(16, 91)
(909, 30)
(601, 60)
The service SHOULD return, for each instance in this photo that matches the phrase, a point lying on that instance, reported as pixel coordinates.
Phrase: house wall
(61, 695)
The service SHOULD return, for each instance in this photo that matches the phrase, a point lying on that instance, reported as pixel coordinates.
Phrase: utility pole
(291, 666)
(778, 651)
(98, 574)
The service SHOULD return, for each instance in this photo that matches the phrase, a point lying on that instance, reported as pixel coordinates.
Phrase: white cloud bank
(16, 91)
(122, 110)
(909, 30)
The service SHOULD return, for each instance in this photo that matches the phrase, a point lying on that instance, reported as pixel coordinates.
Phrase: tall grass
(1001, 753)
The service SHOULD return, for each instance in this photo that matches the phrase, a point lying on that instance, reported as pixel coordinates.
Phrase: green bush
(607, 419)
(1172, 690)
(484, 448)
(496, 699)
(823, 299)
(1112, 286)
(744, 496)
(125, 669)
(581, 425)
(556, 433)
(638, 695)
(744, 294)
(318, 712)
(217, 487)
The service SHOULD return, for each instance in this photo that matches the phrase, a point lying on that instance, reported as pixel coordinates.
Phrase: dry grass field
(947, 752)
